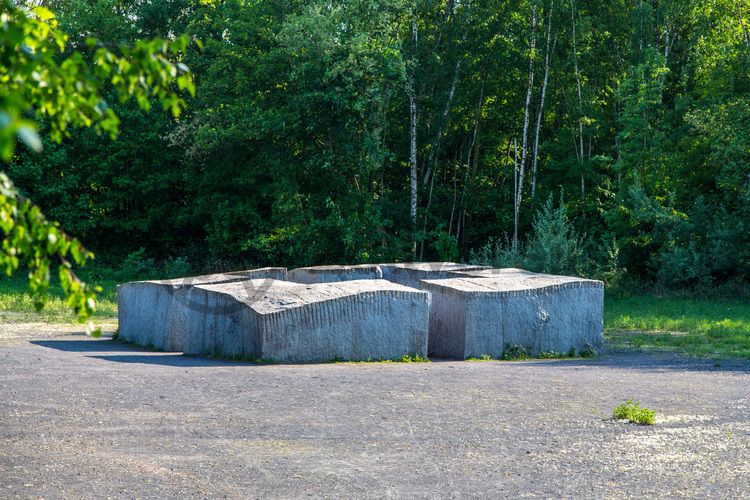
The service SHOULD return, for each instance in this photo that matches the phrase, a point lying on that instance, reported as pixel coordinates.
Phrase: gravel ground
(96, 418)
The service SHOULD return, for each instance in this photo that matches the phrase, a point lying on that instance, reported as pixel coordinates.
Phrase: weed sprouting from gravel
(633, 412)
(520, 353)
(415, 358)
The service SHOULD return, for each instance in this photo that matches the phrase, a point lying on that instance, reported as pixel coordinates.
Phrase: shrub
(498, 253)
(607, 264)
(555, 247)
(511, 352)
(446, 246)
(137, 266)
(176, 268)
(588, 351)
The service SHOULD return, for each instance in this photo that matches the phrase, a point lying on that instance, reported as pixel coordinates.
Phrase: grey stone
(330, 274)
(411, 273)
(153, 313)
(479, 315)
(275, 273)
(297, 323)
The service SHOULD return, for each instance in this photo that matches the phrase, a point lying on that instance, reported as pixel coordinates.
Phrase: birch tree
(413, 138)
(540, 113)
(524, 140)
(579, 147)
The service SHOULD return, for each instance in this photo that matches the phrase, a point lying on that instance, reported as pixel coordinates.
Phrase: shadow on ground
(644, 360)
(633, 359)
(132, 354)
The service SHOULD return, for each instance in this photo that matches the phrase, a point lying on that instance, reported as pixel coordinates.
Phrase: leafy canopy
(42, 79)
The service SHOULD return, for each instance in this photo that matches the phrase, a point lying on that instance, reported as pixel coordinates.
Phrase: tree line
(613, 135)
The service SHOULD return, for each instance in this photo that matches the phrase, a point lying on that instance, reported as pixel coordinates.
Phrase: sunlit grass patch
(717, 328)
(17, 305)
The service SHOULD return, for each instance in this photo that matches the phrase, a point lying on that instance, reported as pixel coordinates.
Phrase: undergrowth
(520, 352)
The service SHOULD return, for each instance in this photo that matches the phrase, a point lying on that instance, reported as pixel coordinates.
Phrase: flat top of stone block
(196, 280)
(323, 269)
(260, 270)
(269, 296)
(206, 279)
(435, 266)
(510, 280)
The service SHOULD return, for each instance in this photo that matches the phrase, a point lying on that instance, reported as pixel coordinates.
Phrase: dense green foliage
(295, 149)
(42, 79)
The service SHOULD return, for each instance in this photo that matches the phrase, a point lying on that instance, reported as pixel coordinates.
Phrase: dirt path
(94, 418)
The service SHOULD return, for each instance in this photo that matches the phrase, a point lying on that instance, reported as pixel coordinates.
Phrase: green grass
(16, 303)
(632, 411)
(716, 328)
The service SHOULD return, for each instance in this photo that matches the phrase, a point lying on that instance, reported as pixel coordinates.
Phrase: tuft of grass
(633, 412)
(483, 357)
(714, 328)
(406, 358)
(414, 358)
(515, 352)
(519, 352)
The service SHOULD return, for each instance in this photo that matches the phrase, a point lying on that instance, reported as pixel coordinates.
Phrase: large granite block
(152, 313)
(477, 315)
(411, 273)
(296, 323)
(331, 274)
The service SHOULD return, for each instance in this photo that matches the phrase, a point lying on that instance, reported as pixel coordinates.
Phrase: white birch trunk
(515, 194)
(413, 142)
(579, 152)
(524, 139)
(535, 157)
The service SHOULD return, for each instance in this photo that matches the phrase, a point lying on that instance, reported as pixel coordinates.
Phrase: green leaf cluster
(43, 80)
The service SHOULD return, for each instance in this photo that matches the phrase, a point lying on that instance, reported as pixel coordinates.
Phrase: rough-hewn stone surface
(411, 273)
(331, 274)
(473, 316)
(291, 323)
(275, 273)
(153, 313)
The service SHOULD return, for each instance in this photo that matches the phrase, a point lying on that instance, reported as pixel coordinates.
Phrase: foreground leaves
(40, 78)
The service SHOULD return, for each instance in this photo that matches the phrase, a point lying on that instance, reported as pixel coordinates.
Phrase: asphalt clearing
(83, 418)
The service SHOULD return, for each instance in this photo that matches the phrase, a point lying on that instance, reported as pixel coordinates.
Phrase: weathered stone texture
(331, 274)
(411, 273)
(153, 313)
(474, 316)
(297, 323)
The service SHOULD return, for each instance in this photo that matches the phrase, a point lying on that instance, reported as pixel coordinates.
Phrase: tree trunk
(524, 139)
(535, 157)
(579, 152)
(413, 141)
(515, 194)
